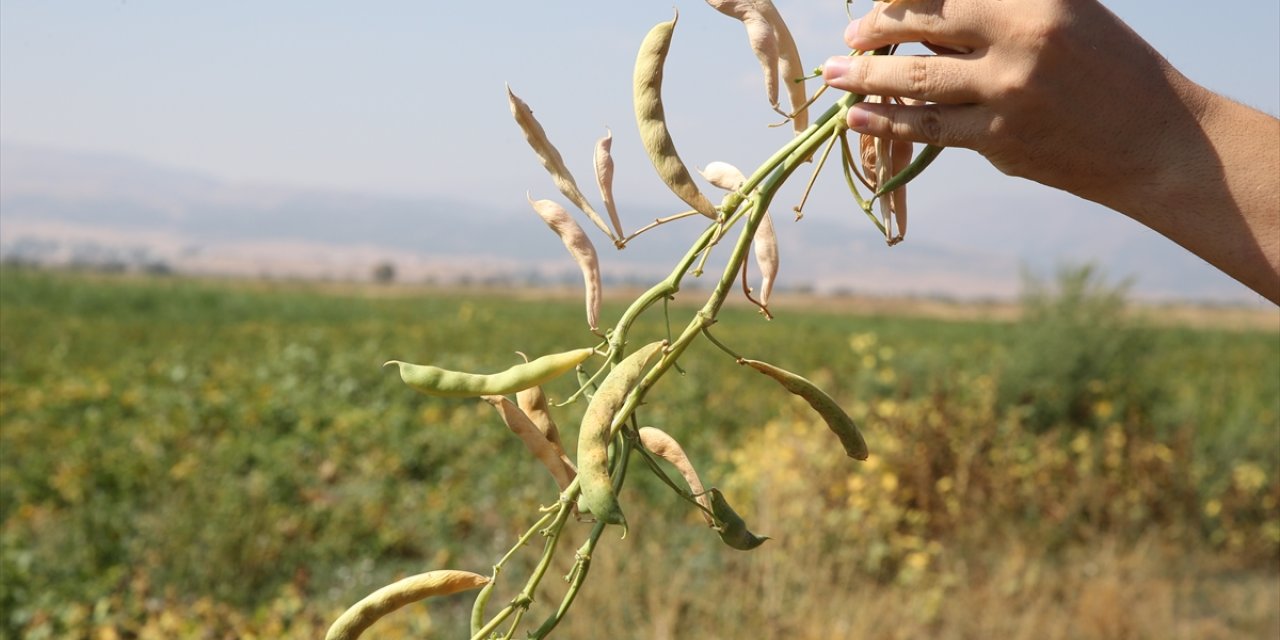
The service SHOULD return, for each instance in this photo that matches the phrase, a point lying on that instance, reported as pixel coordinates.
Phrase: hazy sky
(407, 98)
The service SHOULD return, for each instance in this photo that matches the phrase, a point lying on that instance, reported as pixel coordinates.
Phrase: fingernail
(835, 67)
(858, 118)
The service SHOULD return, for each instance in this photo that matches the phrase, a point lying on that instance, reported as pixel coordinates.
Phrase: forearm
(1219, 195)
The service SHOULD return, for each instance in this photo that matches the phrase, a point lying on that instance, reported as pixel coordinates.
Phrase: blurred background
(217, 220)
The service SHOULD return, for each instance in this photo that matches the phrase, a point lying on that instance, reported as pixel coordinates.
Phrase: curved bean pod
(733, 529)
(776, 50)
(604, 179)
(373, 607)
(533, 402)
(580, 248)
(594, 435)
(765, 241)
(837, 420)
(652, 119)
(434, 381)
(664, 446)
(533, 440)
(551, 159)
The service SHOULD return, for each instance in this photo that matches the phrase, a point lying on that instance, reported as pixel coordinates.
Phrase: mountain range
(63, 207)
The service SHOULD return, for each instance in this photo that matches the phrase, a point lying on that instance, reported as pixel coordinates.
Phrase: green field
(205, 459)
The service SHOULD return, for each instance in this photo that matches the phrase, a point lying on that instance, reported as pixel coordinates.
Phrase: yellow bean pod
(598, 496)
(664, 446)
(533, 440)
(837, 420)
(373, 607)
(434, 381)
(652, 119)
(732, 528)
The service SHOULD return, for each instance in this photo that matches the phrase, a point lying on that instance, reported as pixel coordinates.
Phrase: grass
(227, 459)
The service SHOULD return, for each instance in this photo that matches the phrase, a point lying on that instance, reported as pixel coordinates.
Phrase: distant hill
(63, 207)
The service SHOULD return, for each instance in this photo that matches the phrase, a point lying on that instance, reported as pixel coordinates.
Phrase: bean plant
(616, 367)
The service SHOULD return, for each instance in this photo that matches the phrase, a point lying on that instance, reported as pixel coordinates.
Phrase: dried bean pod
(723, 176)
(652, 120)
(533, 402)
(664, 446)
(434, 381)
(765, 245)
(790, 68)
(765, 241)
(594, 435)
(551, 159)
(580, 247)
(733, 529)
(373, 607)
(538, 444)
(604, 179)
(837, 420)
(776, 50)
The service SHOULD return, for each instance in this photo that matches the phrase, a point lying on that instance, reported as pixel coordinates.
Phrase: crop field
(204, 459)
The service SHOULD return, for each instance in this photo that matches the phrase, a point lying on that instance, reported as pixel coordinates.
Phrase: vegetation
(185, 459)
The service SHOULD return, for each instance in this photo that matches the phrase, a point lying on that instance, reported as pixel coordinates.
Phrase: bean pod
(373, 607)
(837, 420)
(435, 381)
(580, 248)
(664, 446)
(732, 528)
(533, 439)
(551, 159)
(652, 120)
(598, 496)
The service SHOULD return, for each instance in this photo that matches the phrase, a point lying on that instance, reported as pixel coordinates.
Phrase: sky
(408, 98)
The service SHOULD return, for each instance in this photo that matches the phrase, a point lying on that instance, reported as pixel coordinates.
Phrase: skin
(1064, 93)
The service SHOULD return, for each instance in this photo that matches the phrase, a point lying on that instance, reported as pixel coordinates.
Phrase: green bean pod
(373, 607)
(598, 496)
(652, 119)
(732, 528)
(434, 381)
(837, 420)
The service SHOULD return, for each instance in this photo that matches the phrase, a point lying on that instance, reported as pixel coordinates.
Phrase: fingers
(957, 25)
(944, 125)
(945, 79)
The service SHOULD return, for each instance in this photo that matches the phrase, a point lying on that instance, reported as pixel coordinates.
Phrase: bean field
(187, 458)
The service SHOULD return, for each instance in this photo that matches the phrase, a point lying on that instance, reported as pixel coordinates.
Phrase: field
(204, 459)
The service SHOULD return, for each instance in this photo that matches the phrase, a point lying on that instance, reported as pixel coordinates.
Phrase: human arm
(1064, 93)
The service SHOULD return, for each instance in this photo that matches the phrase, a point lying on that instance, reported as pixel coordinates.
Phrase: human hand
(1061, 92)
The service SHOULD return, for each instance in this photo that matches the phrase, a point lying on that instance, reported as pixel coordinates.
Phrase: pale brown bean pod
(723, 175)
(538, 444)
(765, 245)
(604, 179)
(882, 159)
(373, 607)
(652, 120)
(533, 402)
(664, 446)
(580, 247)
(765, 241)
(776, 50)
(551, 159)
(790, 68)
